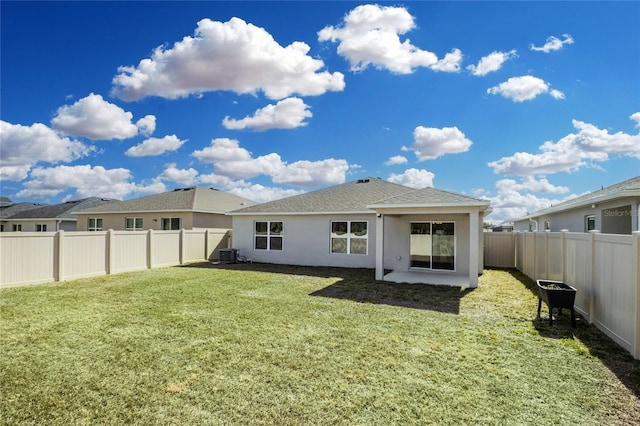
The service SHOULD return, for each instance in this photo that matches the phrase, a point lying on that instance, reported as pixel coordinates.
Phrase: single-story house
(48, 218)
(610, 210)
(183, 208)
(407, 235)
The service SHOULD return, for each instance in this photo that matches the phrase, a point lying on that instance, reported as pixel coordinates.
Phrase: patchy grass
(266, 344)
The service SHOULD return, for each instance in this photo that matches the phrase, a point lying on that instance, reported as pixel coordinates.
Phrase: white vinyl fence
(39, 257)
(602, 267)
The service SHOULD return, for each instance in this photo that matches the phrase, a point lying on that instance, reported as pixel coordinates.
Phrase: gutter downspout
(58, 225)
(536, 222)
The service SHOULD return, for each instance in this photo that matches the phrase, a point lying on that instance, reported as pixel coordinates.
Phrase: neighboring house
(184, 208)
(58, 217)
(423, 236)
(10, 209)
(5, 202)
(503, 227)
(611, 210)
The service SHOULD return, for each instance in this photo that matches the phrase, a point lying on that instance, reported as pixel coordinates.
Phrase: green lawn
(261, 344)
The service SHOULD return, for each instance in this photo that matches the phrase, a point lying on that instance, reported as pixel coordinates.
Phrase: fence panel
(165, 248)
(84, 255)
(193, 246)
(499, 249)
(554, 256)
(130, 251)
(577, 269)
(612, 287)
(28, 258)
(218, 239)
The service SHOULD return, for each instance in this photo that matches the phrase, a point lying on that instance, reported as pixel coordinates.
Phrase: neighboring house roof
(8, 211)
(430, 197)
(350, 197)
(62, 211)
(628, 188)
(5, 201)
(194, 199)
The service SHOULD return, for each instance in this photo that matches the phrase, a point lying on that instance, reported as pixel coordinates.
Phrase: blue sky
(523, 103)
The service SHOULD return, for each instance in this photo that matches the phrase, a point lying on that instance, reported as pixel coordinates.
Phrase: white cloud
(396, 159)
(636, 117)
(308, 174)
(369, 35)
(262, 194)
(286, 114)
(231, 55)
(571, 152)
(155, 146)
(255, 192)
(234, 162)
(430, 143)
(89, 182)
(413, 178)
(94, 118)
(492, 62)
(524, 88)
(514, 200)
(146, 125)
(553, 43)
(185, 177)
(23, 146)
(531, 184)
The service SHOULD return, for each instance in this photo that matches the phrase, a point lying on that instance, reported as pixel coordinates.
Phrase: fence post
(181, 247)
(111, 248)
(635, 248)
(150, 248)
(206, 244)
(563, 254)
(60, 259)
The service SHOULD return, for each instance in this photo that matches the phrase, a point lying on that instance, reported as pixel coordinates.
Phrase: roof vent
(364, 180)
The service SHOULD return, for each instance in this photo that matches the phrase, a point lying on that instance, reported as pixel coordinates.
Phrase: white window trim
(268, 235)
(94, 228)
(134, 224)
(348, 237)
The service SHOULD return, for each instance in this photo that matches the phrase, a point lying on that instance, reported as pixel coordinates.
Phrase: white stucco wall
(307, 241)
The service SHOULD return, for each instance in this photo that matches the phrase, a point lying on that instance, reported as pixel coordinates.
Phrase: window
(547, 225)
(349, 237)
(589, 223)
(432, 245)
(133, 223)
(94, 224)
(268, 235)
(170, 223)
(41, 227)
(16, 227)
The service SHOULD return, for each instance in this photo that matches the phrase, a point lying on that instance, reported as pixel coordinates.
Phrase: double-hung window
(133, 224)
(94, 224)
(268, 235)
(41, 227)
(349, 237)
(170, 223)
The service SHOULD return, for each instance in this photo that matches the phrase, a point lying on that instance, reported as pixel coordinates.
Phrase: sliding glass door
(432, 245)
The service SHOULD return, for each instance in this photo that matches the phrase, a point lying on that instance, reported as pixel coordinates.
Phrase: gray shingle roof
(62, 210)
(197, 198)
(8, 211)
(430, 197)
(348, 197)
